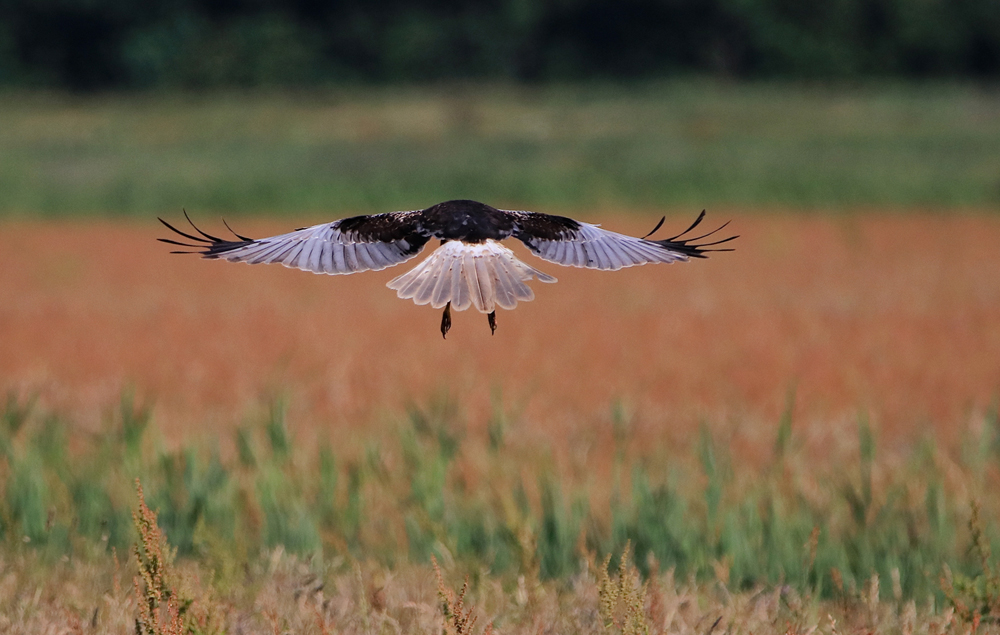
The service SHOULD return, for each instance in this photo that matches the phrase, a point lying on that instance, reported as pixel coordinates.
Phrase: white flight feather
(596, 248)
(484, 275)
(322, 249)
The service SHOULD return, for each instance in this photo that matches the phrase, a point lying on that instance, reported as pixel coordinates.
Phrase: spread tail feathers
(483, 275)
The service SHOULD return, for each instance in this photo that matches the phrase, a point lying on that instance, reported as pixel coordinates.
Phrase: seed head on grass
(158, 610)
(622, 601)
(169, 603)
(978, 597)
(458, 619)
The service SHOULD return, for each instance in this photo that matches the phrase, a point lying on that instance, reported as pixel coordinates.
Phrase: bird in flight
(470, 267)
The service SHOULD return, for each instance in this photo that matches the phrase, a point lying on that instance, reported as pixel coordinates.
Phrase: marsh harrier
(470, 267)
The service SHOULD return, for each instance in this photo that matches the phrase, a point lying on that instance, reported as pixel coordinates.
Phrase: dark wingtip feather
(184, 234)
(655, 229)
(214, 239)
(207, 245)
(174, 242)
(690, 247)
(718, 242)
(717, 229)
(240, 236)
(696, 222)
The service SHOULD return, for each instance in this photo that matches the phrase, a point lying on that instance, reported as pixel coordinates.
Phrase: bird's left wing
(348, 245)
(572, 243)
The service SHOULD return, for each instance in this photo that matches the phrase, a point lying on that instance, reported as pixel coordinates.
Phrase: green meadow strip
(681, 144)
(408, 498)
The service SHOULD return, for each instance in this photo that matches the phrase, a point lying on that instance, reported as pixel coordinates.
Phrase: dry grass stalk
(622, 601)
(166, 603)
(76, 597)
(974, 598)
(159, 613)
(458, 619)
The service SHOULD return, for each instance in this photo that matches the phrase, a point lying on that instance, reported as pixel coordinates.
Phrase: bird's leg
(446, 321)
(492, 317)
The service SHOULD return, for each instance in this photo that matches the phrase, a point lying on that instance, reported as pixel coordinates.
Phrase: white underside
(484, 275)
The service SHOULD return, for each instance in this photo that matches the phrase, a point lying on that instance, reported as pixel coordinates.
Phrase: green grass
(682, 144)
(432, 490)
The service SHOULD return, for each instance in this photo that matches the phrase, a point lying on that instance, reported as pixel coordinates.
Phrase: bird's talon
(446, 321)
(492, 317)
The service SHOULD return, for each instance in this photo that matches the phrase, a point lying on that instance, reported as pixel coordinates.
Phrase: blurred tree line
(99, 44)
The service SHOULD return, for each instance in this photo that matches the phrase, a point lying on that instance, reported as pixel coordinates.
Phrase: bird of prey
(470, 267)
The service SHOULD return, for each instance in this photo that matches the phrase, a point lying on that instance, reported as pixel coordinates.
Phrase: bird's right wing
(572, 243)
(348, 245)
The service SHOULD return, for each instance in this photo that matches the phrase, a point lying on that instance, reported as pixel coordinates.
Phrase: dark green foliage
(15, 414)
(655, 523)
(202, 43)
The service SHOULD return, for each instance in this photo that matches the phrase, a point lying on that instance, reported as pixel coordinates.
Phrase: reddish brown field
(894, 316)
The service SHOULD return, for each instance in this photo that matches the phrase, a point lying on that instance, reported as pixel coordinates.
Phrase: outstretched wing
(568, 242)
(349, 245)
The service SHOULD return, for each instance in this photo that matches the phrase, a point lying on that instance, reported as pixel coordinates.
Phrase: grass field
(800, 436)
(813, 409)
(887, 316)
(676, 144)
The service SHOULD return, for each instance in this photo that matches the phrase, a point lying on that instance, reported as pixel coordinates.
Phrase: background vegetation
(261, 106)
(675, 144)
(489, 505)
(100, 44)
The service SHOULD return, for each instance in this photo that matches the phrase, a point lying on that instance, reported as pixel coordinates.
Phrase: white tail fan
(484, 275)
